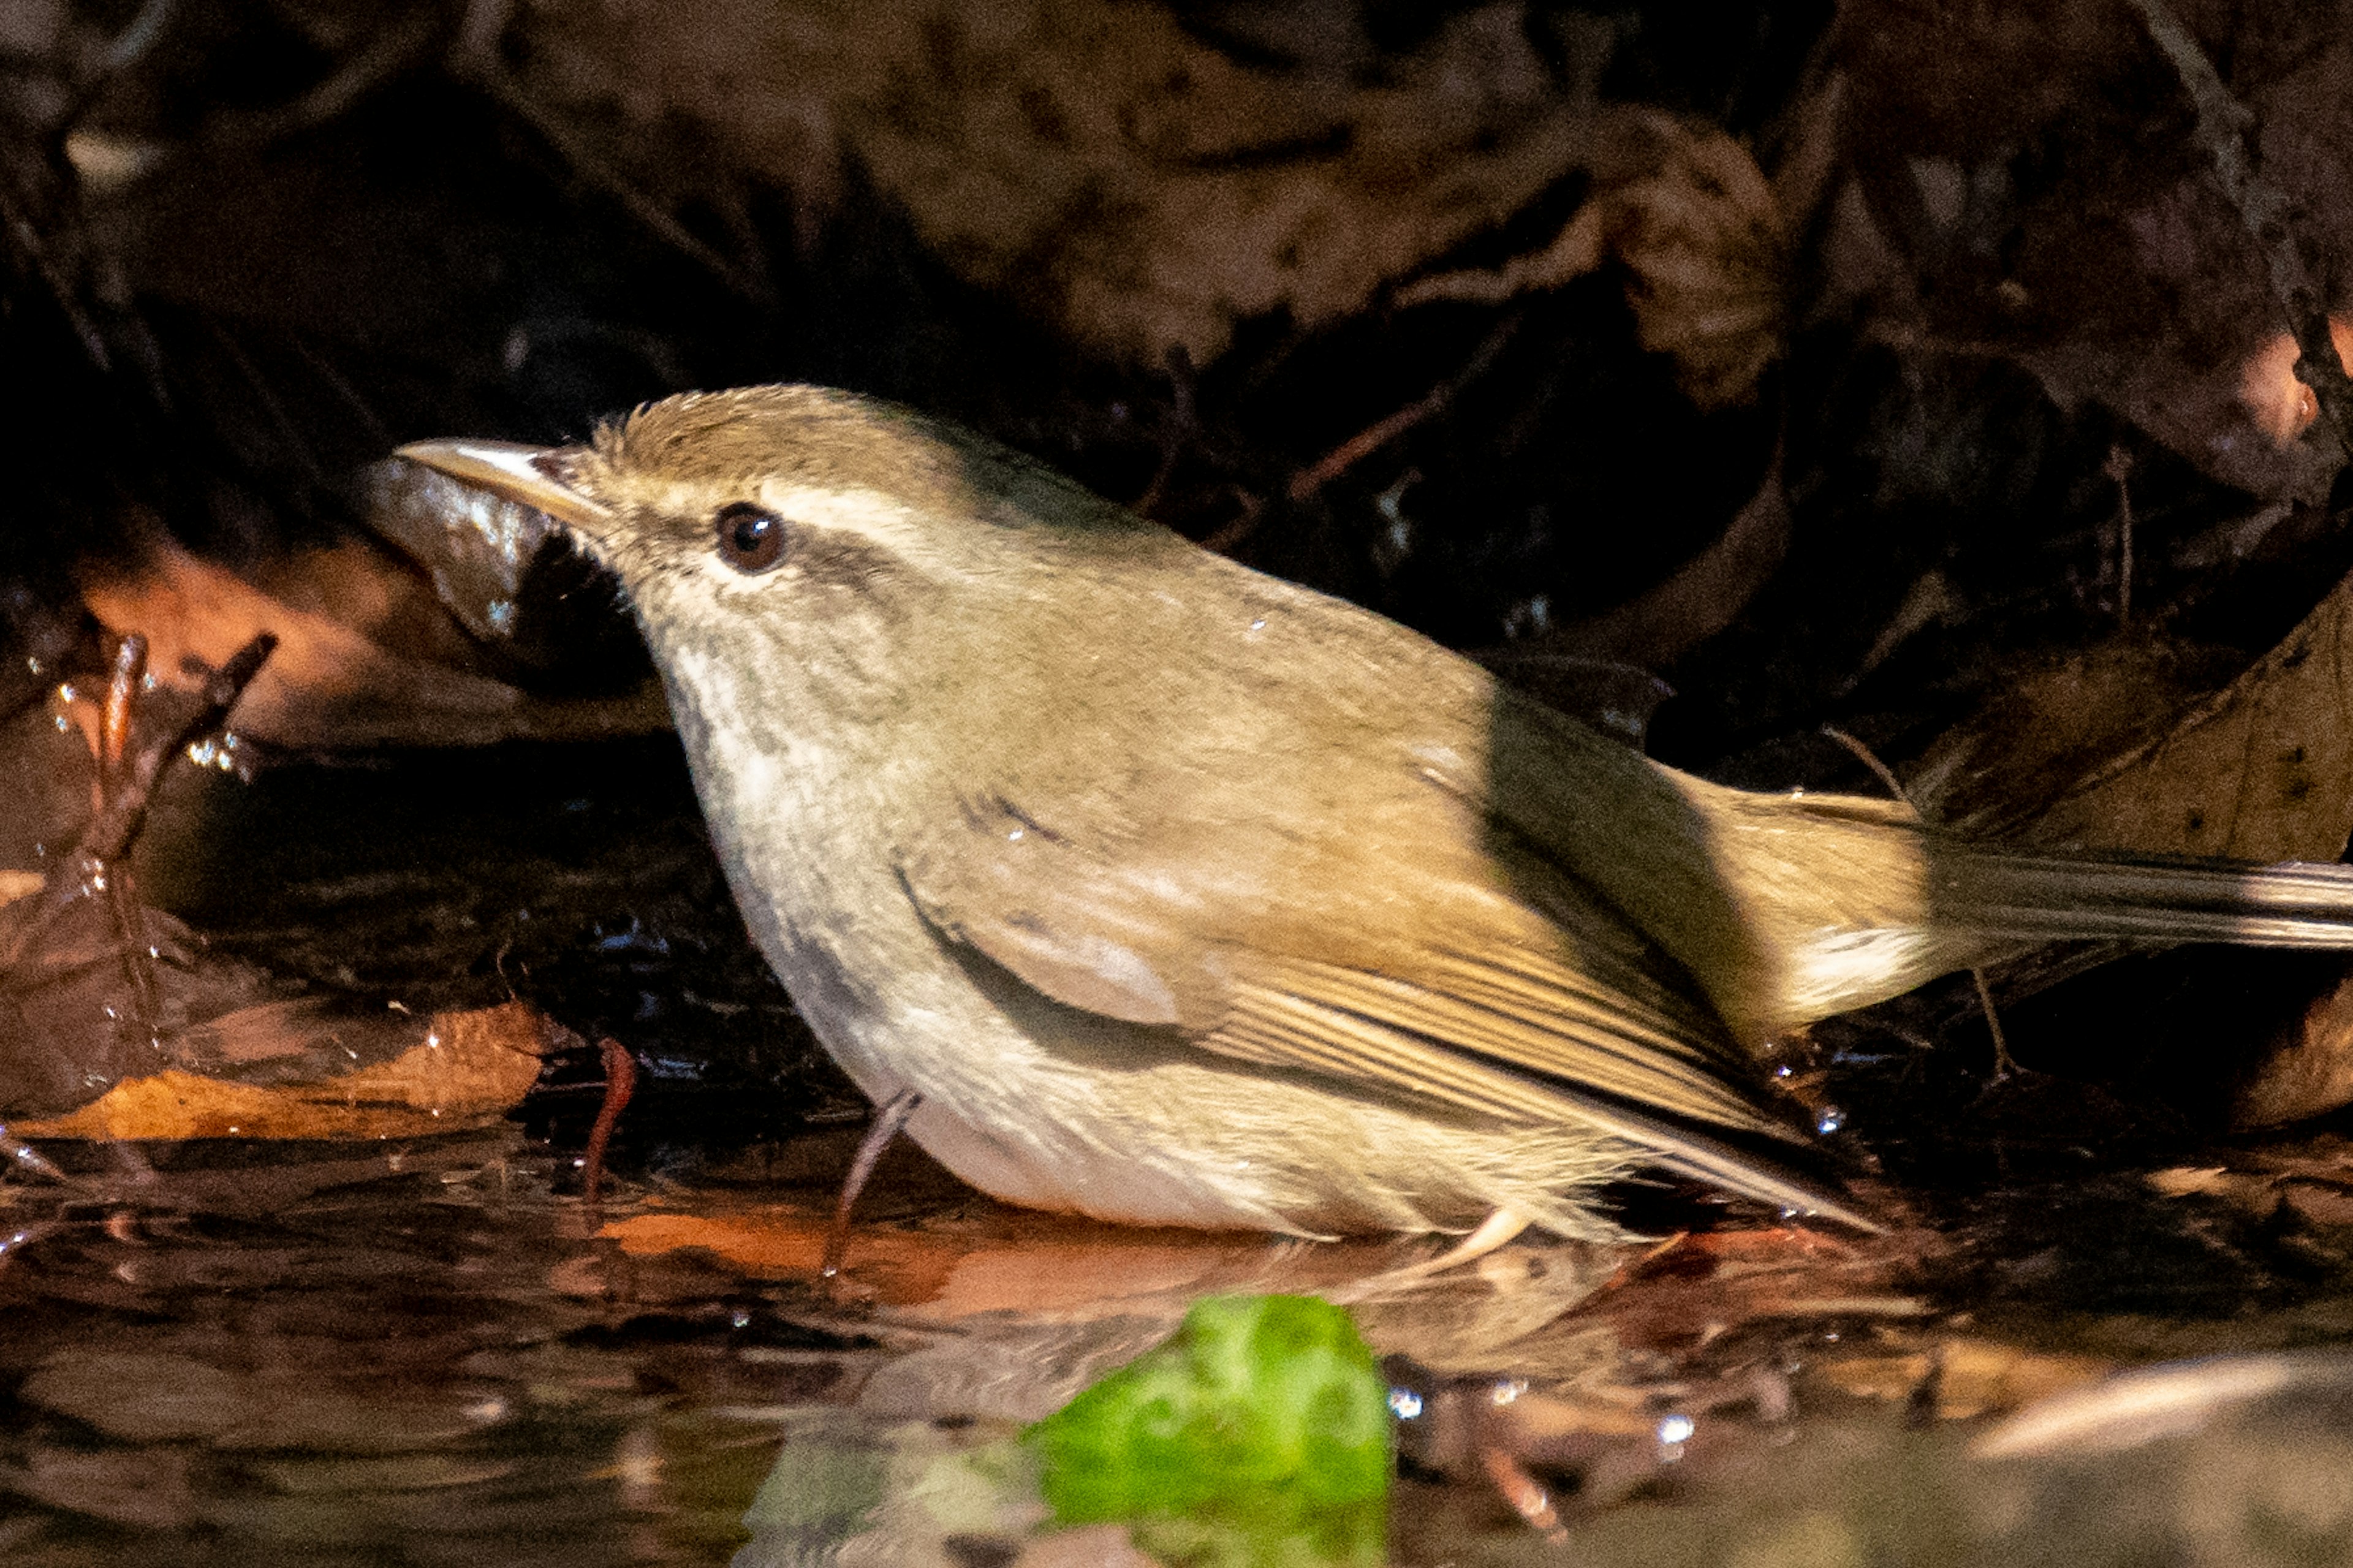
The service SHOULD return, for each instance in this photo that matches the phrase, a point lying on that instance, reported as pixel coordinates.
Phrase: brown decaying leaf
(2311, 1178)
(1694, 222)
(2261, 770)
(1964, 1376)
(364, 655)
(1700, 600)
(2308, 1073)
(1139, 185)
(470, 1068)
(994, 1259)
(1694, 1288)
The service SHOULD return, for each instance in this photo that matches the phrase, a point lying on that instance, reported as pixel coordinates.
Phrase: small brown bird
(1175, 894)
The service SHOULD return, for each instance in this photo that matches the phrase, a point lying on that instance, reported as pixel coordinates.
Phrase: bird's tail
(2006, 895)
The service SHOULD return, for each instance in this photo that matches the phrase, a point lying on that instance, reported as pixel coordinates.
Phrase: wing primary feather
(1571, 1038)
(1275, 1027)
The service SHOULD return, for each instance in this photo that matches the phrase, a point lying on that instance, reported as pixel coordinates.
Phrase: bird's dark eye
(751, 538)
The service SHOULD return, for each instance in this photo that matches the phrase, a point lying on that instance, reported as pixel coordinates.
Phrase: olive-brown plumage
(1184, 895)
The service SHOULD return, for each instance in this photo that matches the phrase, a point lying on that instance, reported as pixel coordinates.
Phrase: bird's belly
(1192, 1142)
(1052, 1108)
(1077, 1177)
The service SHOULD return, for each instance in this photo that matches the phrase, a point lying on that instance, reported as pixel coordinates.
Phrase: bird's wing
(1430, 954)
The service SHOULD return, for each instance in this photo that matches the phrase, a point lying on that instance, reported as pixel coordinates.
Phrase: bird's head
(822, 551)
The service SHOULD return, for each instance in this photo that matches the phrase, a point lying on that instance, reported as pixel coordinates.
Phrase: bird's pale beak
(526, 475)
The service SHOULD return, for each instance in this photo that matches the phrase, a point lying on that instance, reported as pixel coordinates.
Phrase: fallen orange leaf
(470, 1068)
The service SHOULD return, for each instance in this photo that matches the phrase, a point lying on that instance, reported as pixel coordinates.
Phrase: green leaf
(1265, 1410)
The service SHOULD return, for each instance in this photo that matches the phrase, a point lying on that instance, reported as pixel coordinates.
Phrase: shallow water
(436, 1350)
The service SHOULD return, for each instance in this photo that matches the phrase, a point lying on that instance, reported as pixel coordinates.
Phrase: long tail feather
(2044, 898)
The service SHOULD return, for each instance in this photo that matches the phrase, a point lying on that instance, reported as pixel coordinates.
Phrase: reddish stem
(620, 1083)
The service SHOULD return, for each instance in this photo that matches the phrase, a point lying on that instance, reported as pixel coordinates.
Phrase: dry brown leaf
(2312, 1177)
(1695, 223)
(2307, 1074)
(998, 1260)
(1972, 1376)
(995, 1264)
(1124, 176)
(470, 1067)
(330, 681)
(2261, 770)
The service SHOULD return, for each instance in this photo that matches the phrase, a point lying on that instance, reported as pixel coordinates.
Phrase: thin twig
(739, 280)
(1178, 432)
(1380, 433)
(112, 779)
(18, 1155)
(620, 1084)
(2119, 467)
(1870, 759)
(123, 809)
(1227, 535)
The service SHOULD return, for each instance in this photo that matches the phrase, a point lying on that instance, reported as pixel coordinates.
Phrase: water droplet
(740, 1318)
(1259, 625)
(1014, 837)
(500, 614)
(1509, 1389)
(1676, 1428)
(1828, 1120)
(61, 722)
(1404, 1403)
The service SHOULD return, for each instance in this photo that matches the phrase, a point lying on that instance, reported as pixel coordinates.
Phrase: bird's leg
(889, 1117)
(1494, 1231)
(2005, 1066)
